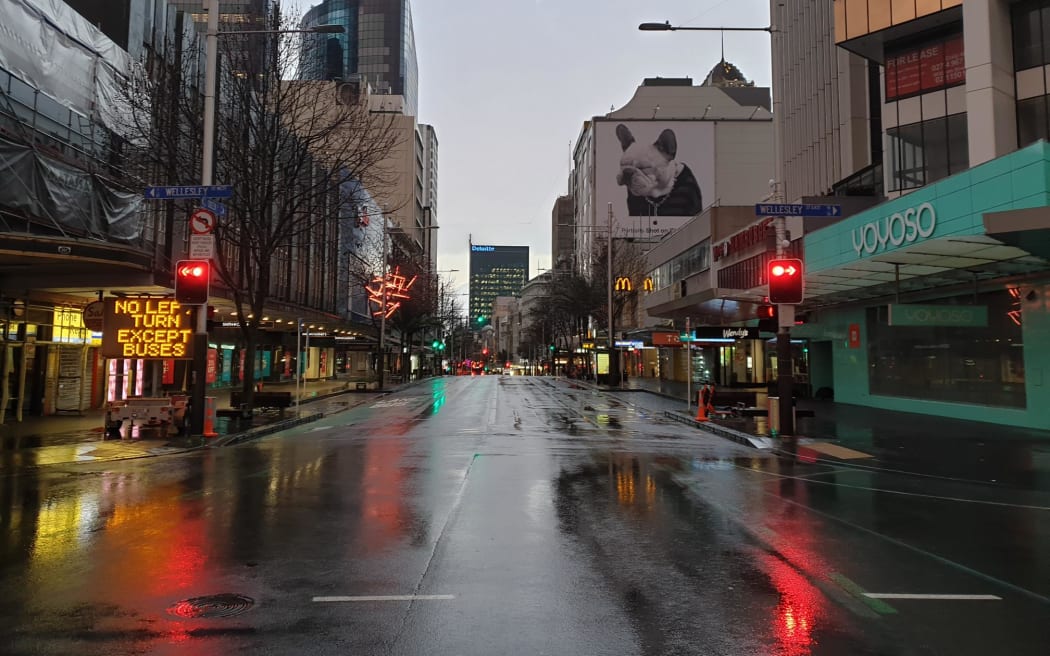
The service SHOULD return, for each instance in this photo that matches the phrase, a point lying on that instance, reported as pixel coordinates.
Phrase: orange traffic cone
(701, 404)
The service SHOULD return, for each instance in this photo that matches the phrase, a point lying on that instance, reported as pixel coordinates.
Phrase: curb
(268, 429)
(762, 443)
(262, 431)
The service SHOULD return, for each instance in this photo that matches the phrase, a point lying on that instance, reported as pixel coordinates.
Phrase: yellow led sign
(147, 328)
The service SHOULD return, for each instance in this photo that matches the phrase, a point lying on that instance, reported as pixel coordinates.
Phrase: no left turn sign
(202, 221)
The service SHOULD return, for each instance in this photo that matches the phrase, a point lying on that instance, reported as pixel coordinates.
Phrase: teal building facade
(938, 301)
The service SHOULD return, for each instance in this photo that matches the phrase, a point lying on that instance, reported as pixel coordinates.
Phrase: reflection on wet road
(512, 515)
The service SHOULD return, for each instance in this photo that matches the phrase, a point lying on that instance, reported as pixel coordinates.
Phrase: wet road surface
(513, 515)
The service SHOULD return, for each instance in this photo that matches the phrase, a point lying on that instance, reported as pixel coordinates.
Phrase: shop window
(921, 153)
(979, 366)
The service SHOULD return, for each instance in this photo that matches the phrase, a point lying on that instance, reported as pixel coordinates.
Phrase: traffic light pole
(785, 366)
(200, 367)
(198, 377)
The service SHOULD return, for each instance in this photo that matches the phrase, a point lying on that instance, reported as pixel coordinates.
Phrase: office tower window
(925, 152)
(1031, 27)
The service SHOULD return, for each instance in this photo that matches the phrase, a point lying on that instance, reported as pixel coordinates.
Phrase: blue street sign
(215, 206)
(774, 209)
(193, 191)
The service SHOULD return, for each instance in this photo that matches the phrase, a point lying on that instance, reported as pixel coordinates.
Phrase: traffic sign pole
(689, 365)
(785, 365)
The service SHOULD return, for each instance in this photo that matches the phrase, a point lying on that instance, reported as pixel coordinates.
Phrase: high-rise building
(825, 108)
(430, 188)
(494, 271)
(563, 233)
(379, 46)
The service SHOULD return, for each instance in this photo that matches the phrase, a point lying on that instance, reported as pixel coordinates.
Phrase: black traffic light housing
(768, 318)
(192, 281)
(785, 281)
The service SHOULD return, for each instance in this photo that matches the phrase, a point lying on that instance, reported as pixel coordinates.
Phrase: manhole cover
(220, 605)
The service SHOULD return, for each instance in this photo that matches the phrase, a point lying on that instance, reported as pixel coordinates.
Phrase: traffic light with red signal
(768, 318)
(192, 281)
(785, 281)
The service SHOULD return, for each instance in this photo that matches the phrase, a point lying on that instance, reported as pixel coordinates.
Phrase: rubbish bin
(774, 415)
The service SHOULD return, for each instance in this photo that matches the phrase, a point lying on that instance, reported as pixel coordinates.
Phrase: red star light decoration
(396, 286)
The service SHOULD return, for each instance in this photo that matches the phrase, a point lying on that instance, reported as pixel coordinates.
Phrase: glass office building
(495, 271)
(379, 46)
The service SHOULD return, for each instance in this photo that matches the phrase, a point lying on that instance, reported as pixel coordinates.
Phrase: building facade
(77, 229)
(378, 47)
(494, 271)
(505, 313)
(709, 145)
(825, 107)
(428, 136)
(563, 233)
(936, 301)
(645, 170)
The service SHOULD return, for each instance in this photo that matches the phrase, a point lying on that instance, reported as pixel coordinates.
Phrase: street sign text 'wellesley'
(780, 209)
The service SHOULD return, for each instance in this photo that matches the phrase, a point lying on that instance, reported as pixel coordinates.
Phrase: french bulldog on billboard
(657, 183)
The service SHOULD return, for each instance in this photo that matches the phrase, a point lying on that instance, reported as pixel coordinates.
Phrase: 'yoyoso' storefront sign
(911, 225)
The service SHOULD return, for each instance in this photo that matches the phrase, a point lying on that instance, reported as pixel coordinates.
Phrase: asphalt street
(514, 515)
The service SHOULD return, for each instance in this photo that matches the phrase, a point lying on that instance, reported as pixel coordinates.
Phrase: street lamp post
(298, 361)
(381, 360)
(786, 313)
(667, 27)
(200, 336)
(614, 360)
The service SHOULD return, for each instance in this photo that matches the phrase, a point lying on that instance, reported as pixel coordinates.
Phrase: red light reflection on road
(800, 607)
(384, 515)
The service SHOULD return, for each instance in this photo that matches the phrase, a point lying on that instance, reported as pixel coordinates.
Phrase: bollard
(209, 417)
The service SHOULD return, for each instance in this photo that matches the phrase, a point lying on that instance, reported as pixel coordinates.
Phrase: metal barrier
(158, 412)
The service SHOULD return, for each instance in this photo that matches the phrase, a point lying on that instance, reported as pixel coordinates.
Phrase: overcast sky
(507, 85)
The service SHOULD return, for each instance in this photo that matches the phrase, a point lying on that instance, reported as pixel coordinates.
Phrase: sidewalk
(81, 438)
(889, 440)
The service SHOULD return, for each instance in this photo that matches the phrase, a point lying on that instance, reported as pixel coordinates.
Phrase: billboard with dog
(656, 174)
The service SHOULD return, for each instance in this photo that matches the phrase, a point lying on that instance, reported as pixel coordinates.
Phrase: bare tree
(297, 154)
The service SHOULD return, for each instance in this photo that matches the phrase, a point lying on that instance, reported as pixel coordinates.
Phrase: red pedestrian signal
(768, 318)
(785, 281)
(192, 281)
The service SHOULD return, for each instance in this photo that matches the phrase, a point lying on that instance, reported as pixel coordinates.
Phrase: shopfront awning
(990, 222)
(931, 264)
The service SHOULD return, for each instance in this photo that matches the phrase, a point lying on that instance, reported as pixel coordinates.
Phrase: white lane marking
(319, 428)
(387, 598)
(391, 403)
(948, 597)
